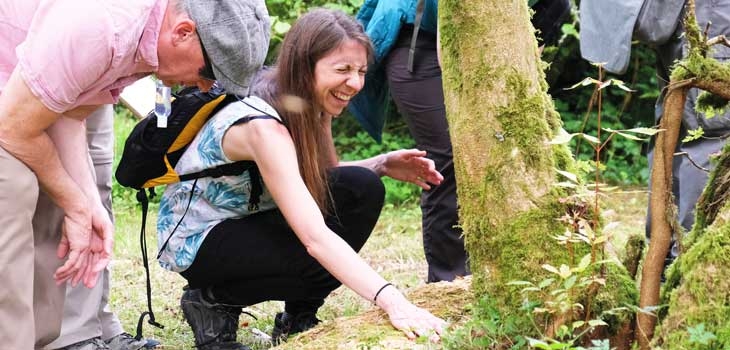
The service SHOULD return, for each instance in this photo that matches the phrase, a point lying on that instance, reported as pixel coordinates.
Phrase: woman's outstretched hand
(411, 165)
(412, 320)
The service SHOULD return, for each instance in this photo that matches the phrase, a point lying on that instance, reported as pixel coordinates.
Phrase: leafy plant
(698, 335)
(621, 110)
(487, 329)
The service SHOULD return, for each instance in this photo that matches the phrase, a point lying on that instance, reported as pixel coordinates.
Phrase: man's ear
(184, 30)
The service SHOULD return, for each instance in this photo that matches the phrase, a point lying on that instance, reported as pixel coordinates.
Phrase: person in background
(606, 33)
(407, 65)
(289, 227)
(59, 61)
(88, 322)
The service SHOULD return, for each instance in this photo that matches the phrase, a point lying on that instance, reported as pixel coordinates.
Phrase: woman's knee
(357, 186)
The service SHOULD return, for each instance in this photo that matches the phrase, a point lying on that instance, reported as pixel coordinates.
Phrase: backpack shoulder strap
(248, 118)
(230, 169)
(416, 27)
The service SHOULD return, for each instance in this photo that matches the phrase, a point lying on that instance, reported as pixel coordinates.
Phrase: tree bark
(501, 119)
(663, 218)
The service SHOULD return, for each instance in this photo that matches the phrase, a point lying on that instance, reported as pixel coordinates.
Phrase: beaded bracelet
(375, 299)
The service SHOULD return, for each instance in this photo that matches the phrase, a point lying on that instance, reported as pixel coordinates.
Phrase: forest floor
(394, 250)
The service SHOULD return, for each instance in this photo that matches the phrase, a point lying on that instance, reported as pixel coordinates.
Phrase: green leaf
(592, 139)
(694, 134)
(698, 334)
(520, 283)
(585, 82)
(621, 85)
(568, 29)
(538, 344)
(644, 131)
(565, 184)
(596, 323)
(572, 177)
(281, 27)
(565, 271)
(551, 268)
(584, 262)
(570, 282)
(563, 137)
(630, 137)
(546, 282)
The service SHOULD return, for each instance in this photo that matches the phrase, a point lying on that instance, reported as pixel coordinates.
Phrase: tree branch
(686, 155)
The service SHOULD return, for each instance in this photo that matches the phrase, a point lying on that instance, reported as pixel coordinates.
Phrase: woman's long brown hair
(289, 88)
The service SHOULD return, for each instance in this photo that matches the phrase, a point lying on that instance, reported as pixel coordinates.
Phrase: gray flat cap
(235, 35)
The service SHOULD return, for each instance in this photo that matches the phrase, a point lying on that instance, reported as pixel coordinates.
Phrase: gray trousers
(420, 99)
(86, 313)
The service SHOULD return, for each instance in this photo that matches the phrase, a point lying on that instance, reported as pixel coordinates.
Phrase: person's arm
(270, 146)
(410, 165)
(69, 136)
(24, 120)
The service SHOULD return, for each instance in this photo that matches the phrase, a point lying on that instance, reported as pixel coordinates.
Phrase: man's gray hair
(180, 7)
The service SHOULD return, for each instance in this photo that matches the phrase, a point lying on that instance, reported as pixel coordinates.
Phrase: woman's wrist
(388, 298)
(375, 298)
(380, 166)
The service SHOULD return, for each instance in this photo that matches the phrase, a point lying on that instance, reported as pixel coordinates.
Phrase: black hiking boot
(286, 324)
(214, 326)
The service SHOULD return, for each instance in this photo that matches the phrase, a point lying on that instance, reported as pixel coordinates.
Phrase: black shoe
(214, 326)
(286, 324)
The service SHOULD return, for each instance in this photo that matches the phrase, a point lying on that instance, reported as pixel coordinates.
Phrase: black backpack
(151, 153)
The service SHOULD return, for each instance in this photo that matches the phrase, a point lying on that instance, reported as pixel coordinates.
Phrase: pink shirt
(73, 53)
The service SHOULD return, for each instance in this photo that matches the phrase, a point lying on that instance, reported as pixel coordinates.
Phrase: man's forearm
(69, 137)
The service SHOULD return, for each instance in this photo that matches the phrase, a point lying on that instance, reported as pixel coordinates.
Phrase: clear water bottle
(162, 104)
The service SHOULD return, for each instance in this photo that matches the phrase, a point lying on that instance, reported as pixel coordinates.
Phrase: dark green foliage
(284, 12)
(353, 143)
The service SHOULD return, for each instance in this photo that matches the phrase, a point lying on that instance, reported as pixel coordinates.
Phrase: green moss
(702, 68)
(620, 290)
(515, 249)
(524, 121)
(710, 105)
(714, 197)
(699, 292)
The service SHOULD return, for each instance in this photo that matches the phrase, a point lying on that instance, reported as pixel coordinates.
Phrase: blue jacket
(382, 21)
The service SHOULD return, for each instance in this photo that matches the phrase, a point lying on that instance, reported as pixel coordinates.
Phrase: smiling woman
(313, 213)
(339, 76)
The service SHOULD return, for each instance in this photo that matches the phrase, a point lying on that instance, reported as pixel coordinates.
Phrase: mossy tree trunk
(501, 119)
